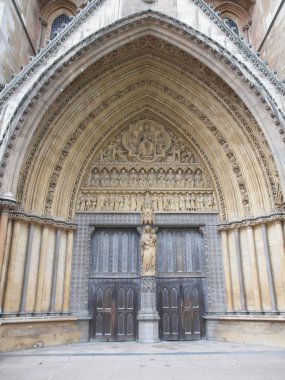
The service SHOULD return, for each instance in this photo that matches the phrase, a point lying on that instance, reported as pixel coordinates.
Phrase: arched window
(57, 23)
(231, 24)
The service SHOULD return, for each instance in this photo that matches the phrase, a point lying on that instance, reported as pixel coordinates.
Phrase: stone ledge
(247, 318)
(6, 321)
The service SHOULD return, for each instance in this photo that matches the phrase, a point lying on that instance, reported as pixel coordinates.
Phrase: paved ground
(202, 360)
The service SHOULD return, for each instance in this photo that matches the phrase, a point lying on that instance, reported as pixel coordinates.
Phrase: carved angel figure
(148, 251)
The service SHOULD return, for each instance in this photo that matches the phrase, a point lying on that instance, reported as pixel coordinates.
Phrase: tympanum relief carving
(146, 163)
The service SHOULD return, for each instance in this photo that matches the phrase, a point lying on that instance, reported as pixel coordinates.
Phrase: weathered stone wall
(38, 333)
(266, 29)
(269, 38)
(263, 14)
(255, 330)
(19, 33)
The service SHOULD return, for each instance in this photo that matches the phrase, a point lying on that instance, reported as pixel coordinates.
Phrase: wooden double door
(114, 284)
(115, 304)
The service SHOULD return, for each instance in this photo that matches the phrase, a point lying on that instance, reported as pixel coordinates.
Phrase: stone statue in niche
(118, 153)
(124, 178)
(189, 181)
(186, 155)
(179, 179)
(105, 179)
(200, 202)
(175, 155)
(140, 201)
(114, 178)
(170, 179)
(152, 178)
(95, 178)
(210, 202)
(142, 178)
(198, 179)
(133, 178)
(148, 251)
(160, 179)
(146, 148)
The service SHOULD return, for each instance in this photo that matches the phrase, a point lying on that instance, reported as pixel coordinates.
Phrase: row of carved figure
(142, 179)
(135, 202)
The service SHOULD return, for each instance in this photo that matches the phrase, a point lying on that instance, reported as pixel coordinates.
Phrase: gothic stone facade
(142, 178)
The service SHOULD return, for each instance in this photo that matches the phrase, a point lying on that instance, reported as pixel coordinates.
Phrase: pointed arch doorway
(146, 165)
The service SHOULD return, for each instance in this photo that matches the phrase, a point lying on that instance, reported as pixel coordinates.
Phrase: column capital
(7, 201)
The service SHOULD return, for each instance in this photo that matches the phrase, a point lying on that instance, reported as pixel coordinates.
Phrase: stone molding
(42, 220)
(252, 222)
(7, 204)
(271, 317)
(5, 320)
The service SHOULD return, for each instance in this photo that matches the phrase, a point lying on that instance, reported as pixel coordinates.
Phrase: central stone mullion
(148, 317)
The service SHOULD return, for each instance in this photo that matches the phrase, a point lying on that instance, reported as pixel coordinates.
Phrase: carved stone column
(41, 270)
(44, 25)
(15, 276)
(7, 202)
(227, 269)
(254, 269)
(5, 263)
(148, 317)
(67, 274)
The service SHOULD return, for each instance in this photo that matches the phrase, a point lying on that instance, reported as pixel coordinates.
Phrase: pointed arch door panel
(180, 307)
(113, 304)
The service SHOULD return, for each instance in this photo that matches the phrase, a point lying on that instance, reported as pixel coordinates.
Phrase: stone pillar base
(148, 317)
(148, 328)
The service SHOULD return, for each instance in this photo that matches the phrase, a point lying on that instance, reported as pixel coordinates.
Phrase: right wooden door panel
(181, 309)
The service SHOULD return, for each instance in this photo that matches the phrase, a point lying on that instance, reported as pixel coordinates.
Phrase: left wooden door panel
(114, 308)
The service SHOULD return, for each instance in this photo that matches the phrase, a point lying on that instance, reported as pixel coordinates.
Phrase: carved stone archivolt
(205, 77)
(147, 164)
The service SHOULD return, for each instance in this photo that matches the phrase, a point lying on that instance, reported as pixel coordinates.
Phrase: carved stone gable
(147, 163)
(147, 142)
